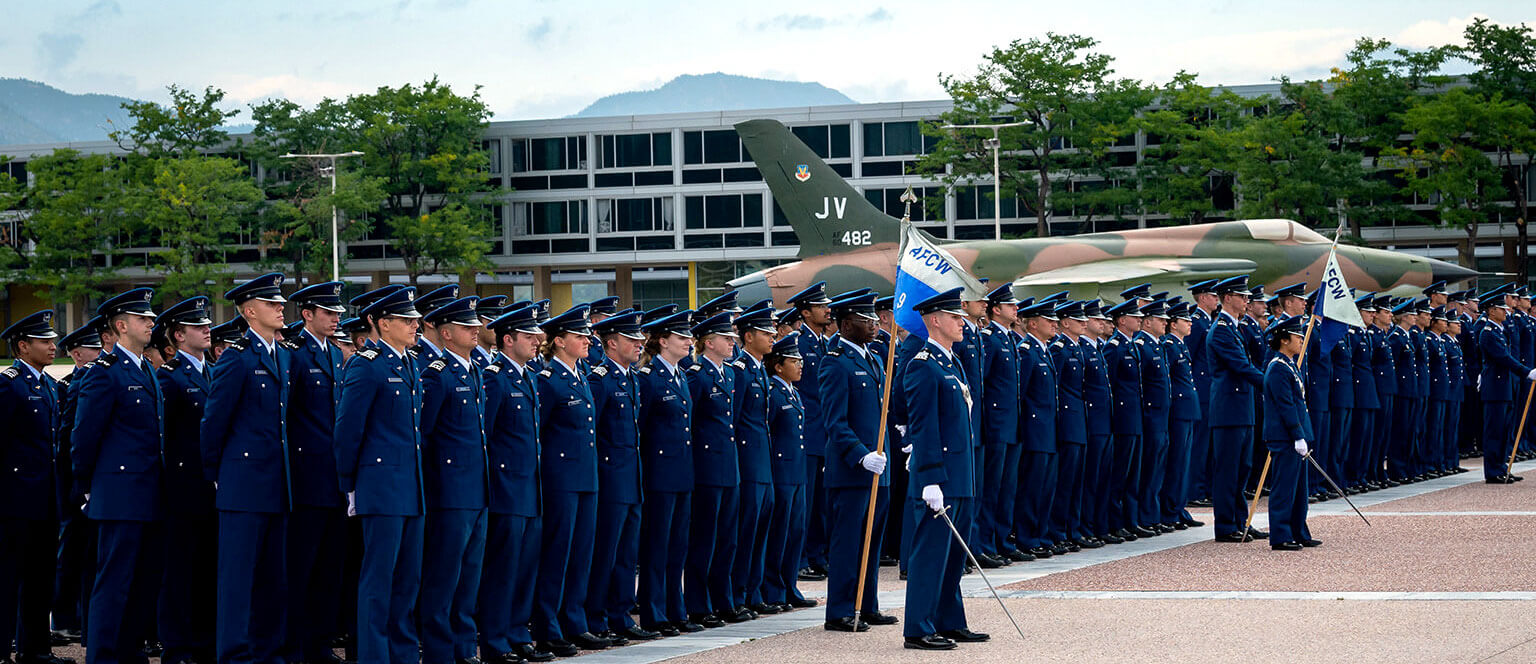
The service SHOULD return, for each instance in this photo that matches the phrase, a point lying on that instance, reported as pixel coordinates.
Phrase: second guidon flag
(925, 270)
(1335, 307)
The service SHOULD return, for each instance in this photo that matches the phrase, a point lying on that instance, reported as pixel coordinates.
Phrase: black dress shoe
(1143, 532)
(802, 602)
(889, 561)
(1178, 525)
(930, 642)
(739, 614)
(1201, 502)
(1192, 523)
(1127, 535)
(1059, 550)
(1285, 546)
(589, 641)
(1233, 537)
(614, 639)
(808, 574)
(845, 624)
(878, 618)
(665, 629)
(1017, 556)
(1072, 546)
(1111, 538)
(783, 607)
(1255, 533)
(765, 608)
(1309, 543)
(903, 575)
(638, 633)
(560, 648)
(988, 562)
(468, 660)
(1166, 528)
(532, 653)
(688, 627)
(506, 658)
(1041, 552)
(1312, 498)
(1501, 479)
(964, 636)
(1089, 542)
(707, 620)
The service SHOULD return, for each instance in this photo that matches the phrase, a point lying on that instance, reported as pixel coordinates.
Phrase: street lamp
(995, 144)
(335, 243)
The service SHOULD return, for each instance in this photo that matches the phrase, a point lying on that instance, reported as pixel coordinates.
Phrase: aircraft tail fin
(828, 215)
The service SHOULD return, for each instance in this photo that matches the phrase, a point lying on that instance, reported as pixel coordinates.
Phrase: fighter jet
(849, 243)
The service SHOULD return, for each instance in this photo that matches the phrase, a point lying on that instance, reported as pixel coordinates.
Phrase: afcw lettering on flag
(1335, 306)
(925, 270)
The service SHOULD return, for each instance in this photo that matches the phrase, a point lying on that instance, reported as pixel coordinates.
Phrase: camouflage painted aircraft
(849, 243)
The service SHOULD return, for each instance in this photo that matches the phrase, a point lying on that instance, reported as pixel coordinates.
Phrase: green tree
(423, 144)
(1064, 91)
(296, 225)
(189, 125)
(196, 207)
(1191, 145)
(1506, 67)
(76, 214)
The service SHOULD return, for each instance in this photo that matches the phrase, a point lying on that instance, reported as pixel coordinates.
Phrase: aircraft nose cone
(1447, 271)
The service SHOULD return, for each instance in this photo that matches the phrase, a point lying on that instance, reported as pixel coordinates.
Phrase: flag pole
(885, 410)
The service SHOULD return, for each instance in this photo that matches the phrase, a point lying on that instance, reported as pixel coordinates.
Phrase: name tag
(135, 387)
(194, 390)
(786, 407)
(461, 389)
(34, 398)
(669, 397)
(314, 370)
(260, 372)
(396, 379)
(573, 402)
(861, 373)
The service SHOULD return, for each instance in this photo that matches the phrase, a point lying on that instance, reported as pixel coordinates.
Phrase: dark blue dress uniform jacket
(1285, 408)
(1156, 387)
(29, 407)
(244, 436)
(1098, 399)
(786, 417)
(851, 385)
(812, 346)
(568, 430)
(1037, 397)
(1405, 362)
(118, 441)
(314, 391)
(1502, 370)
(453, 436)
(1122, 360)
(666, 446)
(968, 352)
(1366, 396)
(617, 401)
(751, 423)
(378, 433)
(938, 425)
(1185, 404)
(1067, 356)
(185, 389)
(512, 437)
(1000, 419)
(1233, 375)
(713, 392)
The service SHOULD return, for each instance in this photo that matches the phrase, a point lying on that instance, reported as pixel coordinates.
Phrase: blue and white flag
(1335, 306)
(923, 271)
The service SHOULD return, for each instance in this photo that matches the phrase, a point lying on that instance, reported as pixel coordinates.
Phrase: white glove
(873, 462)
(86, 504)
(902, 429)
(351, 503)
(1531, 375)
(934, 497)
(1479, 382)
(1301, 447)
(215, 486)
(906, 450)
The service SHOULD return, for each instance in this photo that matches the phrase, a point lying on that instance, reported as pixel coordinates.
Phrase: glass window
(549, 218)
(902, 138)
(661, 149)
(841, 143)
(493, 154)
(874, 139)
(548, 154)
(724, 211)
(519, 156)
(693, 147)
(722, 147)
(815, 137)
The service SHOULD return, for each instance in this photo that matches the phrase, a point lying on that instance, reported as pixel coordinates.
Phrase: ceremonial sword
(1335, 485)
(945, 514)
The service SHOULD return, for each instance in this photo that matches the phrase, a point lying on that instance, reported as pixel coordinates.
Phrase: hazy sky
(540, 59)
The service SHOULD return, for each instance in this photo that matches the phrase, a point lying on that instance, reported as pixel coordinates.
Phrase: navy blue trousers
(611, 592)
(317, 546)
(1339, 443)
(711, 547)
(188, 586)
(387, 584)
(845, 541)
(1097, 464)
(452, 557)
(123, 593)
(1288, 497)
(1174, 494)
(253, 586)
(664, 524)
(1401, 449)
(786, 536)
(1376, 462)
(1200, 455)
(1066, 517)
(815, 550)
(1231, 448)
(26, 584)
(1124, 481)
(752, 543)
(565, 562)
(75, 567)
(1002, 493)
(507, 582)
(1498, 439)
(1037, 489)
(1154, 467)
(934, 603)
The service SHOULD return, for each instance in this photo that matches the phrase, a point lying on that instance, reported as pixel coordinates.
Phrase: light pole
(996, 145)
(335, 242)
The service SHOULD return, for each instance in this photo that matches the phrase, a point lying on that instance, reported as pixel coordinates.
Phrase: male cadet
(1234, 380)
(455, 476)
(1067, 525)
(118, 456)
(245, 455)
(938, 423)
(370, 336)
(489, 308)
(969, 352)
(852, 381)
(1471, 408)
(428, 345)
(616, 400)
(1184, 411)
(815, 327)
(1439, 395)
(187, 589)
(223, 335)
(29, 519)
(999, 427)
(76, 558)
(1374, 475)
(883, 345)
(378, 465)
(1400, 453)
(1122, 360)
(1037, 472)
(755, 328)
(1156, 401)
(1522, 345)
(1098, 413)
(512, 533)
(317, 527)
(1347, 457)
(1252, 323)
(597, 311)
(1500, 373)
(1456, 369)
(1201, 316)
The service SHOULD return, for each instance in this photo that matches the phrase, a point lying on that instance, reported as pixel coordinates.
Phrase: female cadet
(755, 461)
(786, 428)
(568, 457)
(712, 529)
(1287, 428)
(667, 470)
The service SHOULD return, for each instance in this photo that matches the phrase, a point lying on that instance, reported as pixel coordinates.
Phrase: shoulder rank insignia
(645, 370)
(546, 373)
(600, 370)
(1141, 342)
(922, 355)
(10, 372)
(172, 364)
(290, 345)
(368, 353)
(105, 359)
(696, 368)
(740, 364)
(437, 365)
(240, 344)
(494, 368)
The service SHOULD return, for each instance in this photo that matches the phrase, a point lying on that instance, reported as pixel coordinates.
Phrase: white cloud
(1427, 33)
(244, 88)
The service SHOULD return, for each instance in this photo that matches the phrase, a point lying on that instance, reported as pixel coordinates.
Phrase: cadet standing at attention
(1156, 401)
(1233, 381)
(786, 529)
(815, 327)
(717, 478)
(1122, 360)
(245, 455)
(999, 427)
(189, 583)
(1287, 429)
(118, 457)
(753, 453)
(378, 462)
(666, 465)
(456, 478)
(1067, 524)
(76, 558)
(1183, 413)
(1037, 433)
(1501, 371)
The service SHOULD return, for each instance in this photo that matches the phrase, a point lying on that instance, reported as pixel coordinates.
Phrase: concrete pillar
(624, 285)
(541, 282)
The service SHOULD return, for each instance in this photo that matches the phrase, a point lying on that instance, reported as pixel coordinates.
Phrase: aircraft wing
(1151, 269)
